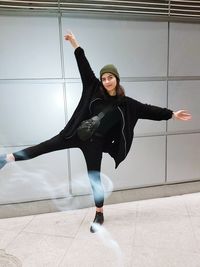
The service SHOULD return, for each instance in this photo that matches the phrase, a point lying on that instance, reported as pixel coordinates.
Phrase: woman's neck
(112, 93)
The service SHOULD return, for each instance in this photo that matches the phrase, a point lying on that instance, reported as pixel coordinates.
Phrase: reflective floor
(161, 232)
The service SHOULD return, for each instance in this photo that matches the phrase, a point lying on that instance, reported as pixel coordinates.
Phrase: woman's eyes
(109, 79)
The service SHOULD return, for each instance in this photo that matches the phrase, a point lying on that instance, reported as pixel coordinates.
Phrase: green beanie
(110, 68)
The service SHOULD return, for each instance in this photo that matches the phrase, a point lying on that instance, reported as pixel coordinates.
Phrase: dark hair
(119, 90)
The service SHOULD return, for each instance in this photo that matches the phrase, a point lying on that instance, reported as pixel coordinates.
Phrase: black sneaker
(98, 220)
(2, 160)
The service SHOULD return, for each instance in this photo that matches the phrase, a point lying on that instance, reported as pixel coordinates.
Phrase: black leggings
(92, 150)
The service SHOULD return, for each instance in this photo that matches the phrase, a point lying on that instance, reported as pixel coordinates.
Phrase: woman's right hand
(72, 39)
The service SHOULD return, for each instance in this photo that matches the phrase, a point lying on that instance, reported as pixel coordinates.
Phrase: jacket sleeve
(150, 112)
(86, 73)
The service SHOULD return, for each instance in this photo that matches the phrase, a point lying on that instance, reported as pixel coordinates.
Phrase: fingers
(66, 37)
(69, 36)
(183, 113)
(185, 116)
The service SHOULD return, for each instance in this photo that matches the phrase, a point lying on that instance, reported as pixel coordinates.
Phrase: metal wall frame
(167, 10)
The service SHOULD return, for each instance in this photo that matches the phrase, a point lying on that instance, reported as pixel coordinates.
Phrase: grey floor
(161, 232)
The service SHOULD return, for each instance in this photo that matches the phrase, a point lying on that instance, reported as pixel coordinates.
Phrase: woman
(114, 117)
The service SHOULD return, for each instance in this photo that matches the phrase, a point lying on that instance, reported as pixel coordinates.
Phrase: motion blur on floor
(158, 232)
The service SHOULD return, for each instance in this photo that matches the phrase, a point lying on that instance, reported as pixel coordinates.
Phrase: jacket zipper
(122, 118)
(123, 129)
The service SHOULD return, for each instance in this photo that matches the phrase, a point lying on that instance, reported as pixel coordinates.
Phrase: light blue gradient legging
(92, 150)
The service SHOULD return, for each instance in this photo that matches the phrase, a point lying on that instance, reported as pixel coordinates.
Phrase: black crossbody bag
(88, 127)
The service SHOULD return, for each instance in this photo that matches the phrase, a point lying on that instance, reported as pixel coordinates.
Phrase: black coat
(119, 140)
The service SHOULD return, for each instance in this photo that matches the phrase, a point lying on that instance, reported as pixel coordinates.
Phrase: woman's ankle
(10, 158)
(99, 209)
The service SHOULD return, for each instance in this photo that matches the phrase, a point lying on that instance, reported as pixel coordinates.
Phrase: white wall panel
(183, 157)
(144, 165)
(44, 177)
(80, 181)
(185, 95)
(33, 111)
(184, 56)
(73, 94)
(30, 113)
(29, 47)
(150, 92)
(137, 48)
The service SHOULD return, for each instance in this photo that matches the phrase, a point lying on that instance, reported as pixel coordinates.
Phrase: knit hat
(110, 68)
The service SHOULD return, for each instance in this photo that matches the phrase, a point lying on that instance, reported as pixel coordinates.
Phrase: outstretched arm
(87, 74)
(182, 115)
(151, 112)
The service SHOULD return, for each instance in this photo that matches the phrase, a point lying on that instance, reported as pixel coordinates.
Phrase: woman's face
(109, 82)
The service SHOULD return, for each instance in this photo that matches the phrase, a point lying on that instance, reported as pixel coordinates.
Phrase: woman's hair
(119, 90)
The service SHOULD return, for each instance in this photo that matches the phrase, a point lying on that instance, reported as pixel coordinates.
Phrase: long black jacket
(119, 140)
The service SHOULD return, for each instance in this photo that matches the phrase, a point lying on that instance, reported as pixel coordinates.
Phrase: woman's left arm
(150, 112)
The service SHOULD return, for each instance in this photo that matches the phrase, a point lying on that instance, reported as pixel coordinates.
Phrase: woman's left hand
(182, 115)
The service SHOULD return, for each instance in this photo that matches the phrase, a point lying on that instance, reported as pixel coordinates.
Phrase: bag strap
(105, 111)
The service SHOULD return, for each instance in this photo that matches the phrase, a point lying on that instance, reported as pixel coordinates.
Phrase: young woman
(104, 99)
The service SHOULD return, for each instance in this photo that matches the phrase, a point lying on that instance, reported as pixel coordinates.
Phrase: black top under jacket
(119, 139)
(112, 114)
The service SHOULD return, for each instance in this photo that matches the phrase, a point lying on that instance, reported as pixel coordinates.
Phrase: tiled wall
(40, 87)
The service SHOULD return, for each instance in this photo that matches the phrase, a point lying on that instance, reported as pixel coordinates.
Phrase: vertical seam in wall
(64, 94)
(167, 98)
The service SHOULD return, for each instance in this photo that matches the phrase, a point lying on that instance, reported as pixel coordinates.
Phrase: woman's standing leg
(92, 151)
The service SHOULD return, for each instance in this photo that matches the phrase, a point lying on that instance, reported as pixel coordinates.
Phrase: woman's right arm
(87, 74)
